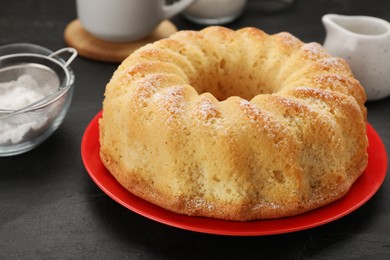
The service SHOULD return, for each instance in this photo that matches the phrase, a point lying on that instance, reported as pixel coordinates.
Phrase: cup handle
(172, 10)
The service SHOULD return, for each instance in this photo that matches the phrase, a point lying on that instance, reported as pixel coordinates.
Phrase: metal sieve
(44, 69)
(25, 128)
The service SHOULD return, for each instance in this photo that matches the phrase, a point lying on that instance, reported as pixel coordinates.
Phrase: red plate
(362, 190)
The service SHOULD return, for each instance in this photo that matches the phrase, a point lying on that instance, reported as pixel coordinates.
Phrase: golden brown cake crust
(235, 125)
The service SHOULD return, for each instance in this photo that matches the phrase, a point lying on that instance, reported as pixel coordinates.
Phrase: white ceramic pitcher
(364, 42)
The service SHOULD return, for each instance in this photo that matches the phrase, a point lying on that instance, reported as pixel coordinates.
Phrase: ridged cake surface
(235, 125)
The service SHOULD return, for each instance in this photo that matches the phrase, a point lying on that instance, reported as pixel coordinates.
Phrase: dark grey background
(50, 208)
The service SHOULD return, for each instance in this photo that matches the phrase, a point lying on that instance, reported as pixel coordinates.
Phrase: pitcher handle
(172, 10)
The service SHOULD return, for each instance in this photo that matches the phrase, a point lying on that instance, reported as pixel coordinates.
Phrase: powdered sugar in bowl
(36, 89)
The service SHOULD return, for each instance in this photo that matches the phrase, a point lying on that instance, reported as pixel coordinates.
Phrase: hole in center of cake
(227, 79)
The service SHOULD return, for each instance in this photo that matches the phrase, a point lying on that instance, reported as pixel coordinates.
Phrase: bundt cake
(234, 125)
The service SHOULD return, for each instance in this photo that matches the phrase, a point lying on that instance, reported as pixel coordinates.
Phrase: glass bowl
(24, 128)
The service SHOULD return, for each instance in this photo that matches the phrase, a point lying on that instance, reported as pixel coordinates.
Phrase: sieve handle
(63, 50)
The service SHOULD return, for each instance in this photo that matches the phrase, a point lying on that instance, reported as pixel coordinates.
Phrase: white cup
(125, 20)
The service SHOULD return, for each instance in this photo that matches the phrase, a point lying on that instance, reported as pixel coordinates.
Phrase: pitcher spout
(358, 26)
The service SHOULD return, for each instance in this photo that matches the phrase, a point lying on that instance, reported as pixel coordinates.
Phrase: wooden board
(94, 48)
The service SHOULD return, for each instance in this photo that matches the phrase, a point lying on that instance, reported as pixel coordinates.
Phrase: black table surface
(51, 208)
